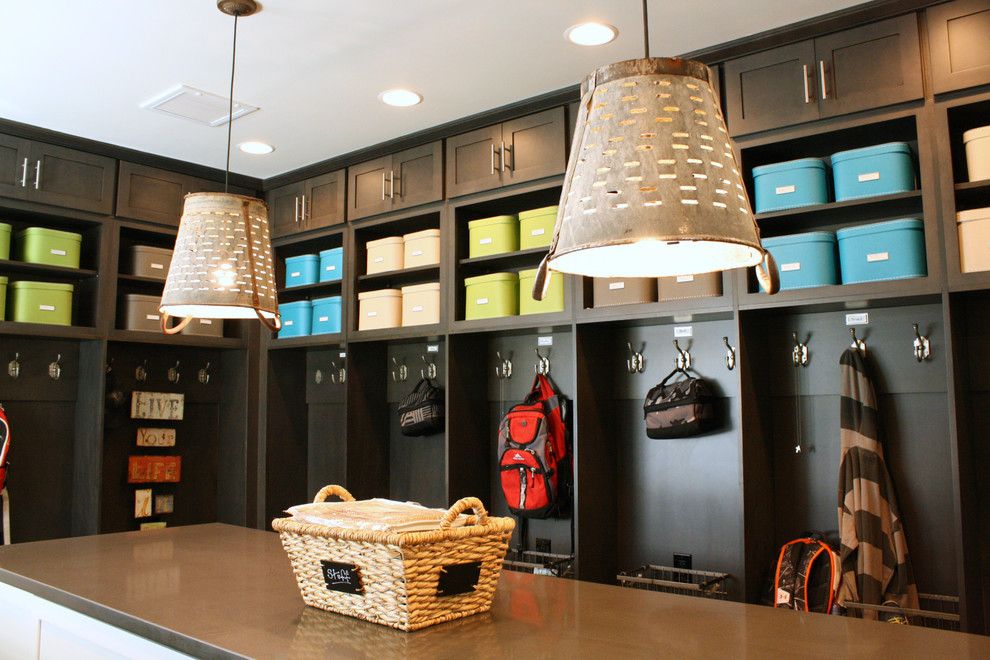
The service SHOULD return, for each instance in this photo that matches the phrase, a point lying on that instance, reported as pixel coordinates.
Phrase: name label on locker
(784, 190)
(868, 176)
(683, 331)
(786, 268)
(433, 348)
(544, 341)
(877, 256)
(862, 318)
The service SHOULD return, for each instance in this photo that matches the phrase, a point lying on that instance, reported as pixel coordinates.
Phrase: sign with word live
(342, 577)
(157, 405)
(155, 437)
(154, 469)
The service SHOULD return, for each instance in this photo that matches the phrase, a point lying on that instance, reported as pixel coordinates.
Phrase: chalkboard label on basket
(342, 577)
(458, 578)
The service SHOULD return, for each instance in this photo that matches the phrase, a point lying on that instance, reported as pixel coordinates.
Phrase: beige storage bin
(148, 261)
(974, 240)
(683, 287)
(204, 328)
(421, 304)
(977, 141)
(611, 291)
(421, 248)
(141, 312)
(379, 309)
(384, 255)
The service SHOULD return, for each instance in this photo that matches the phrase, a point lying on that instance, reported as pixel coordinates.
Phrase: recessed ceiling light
(400, 98)
(591, 33)
(257, 148)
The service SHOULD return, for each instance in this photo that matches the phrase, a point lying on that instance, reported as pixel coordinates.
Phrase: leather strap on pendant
(275, 325)
(163, 318)
(767, 274)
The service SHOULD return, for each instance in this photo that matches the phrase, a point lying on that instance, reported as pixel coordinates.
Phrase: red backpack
(532, 452)
(4, 447)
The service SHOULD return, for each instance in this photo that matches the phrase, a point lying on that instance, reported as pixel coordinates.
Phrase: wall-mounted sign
(164, 504)
(342, 577)
(157, 405)
(154, 469)
(142, 503)
(155, 437)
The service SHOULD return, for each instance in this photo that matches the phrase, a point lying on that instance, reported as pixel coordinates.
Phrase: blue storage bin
(296, 319)
(331, 264)
(326, 315)
(889, 250)
(301, 270)
(789, 185)
(804, 260)
(881, 170)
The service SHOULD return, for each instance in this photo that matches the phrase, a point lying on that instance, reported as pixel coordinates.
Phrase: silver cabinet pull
(24, 174)
(493, 158)
(383, 185)
(821, 70)
(37, 173)
(501, 158)
(512, 159)
(296, 217)
(391, 184)
(302, 214)
(807, 90)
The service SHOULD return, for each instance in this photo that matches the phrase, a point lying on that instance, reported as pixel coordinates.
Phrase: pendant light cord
(646, 30)
(230, 110)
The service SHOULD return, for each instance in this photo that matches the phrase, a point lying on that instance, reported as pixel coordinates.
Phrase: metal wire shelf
(539, 563)
(936, 611)
(683, 581)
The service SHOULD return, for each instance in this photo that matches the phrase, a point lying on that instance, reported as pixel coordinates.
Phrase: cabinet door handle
(296, 216)
(391, 185)
(493, 158)
(501, 158)
(512, 159)
(37, 173)
(24, 174)
(821, 70)
(302, 214)
(383, 185)
(807, 87)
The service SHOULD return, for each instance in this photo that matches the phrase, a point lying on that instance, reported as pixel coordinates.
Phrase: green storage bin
(536, 228)
(553, 301)
(40, 245)
(4, 241)
(493, 235)
(3, 296)
(41, 302)
(491, 296)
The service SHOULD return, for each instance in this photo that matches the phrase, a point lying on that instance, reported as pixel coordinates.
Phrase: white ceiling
(315, 67)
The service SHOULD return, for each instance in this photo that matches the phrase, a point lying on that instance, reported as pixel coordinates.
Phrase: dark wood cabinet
(155, 195)
(959, 39)
(306, 205)
(70, 178)
(407, 178)
(283, 209)
(866, 67)
(15, 153)
(524, 149)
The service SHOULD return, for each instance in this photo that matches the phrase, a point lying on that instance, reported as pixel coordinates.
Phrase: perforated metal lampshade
(652, 185)
(222, 266)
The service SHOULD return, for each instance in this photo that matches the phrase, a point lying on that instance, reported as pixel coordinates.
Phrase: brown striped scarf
(874, 556)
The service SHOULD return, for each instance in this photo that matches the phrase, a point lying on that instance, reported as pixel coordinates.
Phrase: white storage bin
(421, 248)
(421, 304)
(974, 240)
(977, 141)
(384, 255)
(379, 309)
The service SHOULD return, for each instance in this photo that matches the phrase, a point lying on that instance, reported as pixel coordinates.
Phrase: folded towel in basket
(375, 515)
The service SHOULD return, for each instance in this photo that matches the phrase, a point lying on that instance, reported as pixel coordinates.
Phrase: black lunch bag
(680, 409)
(421, 412)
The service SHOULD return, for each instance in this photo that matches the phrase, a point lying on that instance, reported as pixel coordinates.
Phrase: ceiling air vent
(195, 104)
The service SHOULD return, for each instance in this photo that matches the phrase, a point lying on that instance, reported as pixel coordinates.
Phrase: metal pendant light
(222, 266)
(652, 186)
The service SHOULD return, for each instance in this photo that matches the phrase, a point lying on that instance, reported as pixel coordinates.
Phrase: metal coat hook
(503, 369)
(542, 366)
(399, 370)
(204, 375)
(141, 372)
(635, 364)
(431, 369)
(683, 360)
(173, 373)
(730, 355)
(922, 346)
(857, 343)
(318, 376)
(55, 368)
(799, 354)
(338, 375)
(109, 367)
(14, 366)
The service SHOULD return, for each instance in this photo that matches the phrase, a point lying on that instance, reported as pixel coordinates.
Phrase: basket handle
(327, 491)
(462, 505)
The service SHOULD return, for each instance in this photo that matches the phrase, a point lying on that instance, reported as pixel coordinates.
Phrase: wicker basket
(399, 580)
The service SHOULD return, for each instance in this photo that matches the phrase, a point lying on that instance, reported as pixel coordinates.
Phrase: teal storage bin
(326, 316)
(301, 270)
(3, 296)
(297, 319)
(331, 264)
(891, 250)
(804, 260)
(880, 170)
(4, 241)
(789, 185)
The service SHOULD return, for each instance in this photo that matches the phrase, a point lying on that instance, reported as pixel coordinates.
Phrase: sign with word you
(155, 437)
(342, 577)
(157, 405)
(154, 469)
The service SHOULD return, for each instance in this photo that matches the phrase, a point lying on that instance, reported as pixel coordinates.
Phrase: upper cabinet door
(868, 67)
(959, 34)
(147, 193)
(15, 154)
(416, 176)
(368, 184)
(770, 89)
(284, 209)
(535, 146)
(473, 161)
(325, 200)
(70, 178)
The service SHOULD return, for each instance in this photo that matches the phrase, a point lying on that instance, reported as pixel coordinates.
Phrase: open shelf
(140, 337)
(286, 294)
(46, 330)
(12, 267)
(401, 333)
(506, 260)
(842, 213)
(527, 322)
(972, 194)
(329, 340)
(401, 277)
(847, 296)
